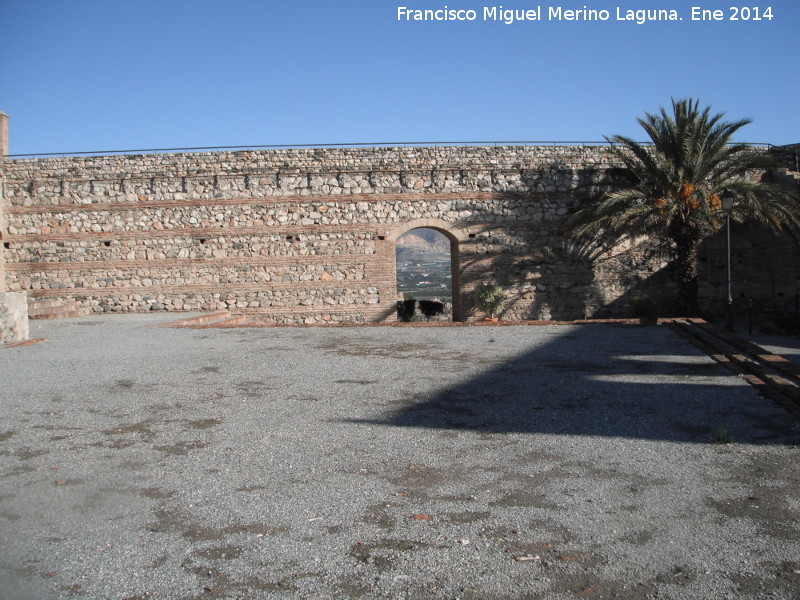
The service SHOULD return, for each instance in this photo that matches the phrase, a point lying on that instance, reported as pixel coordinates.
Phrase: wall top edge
(368, 146)
(312, 147)
(322, 159)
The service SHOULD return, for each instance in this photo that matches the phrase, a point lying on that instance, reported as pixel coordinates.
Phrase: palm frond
(681, 176)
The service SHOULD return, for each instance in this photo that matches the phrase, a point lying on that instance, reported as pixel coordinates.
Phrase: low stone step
(46, 303)
(67, 314)
(234, 321)
(202, 320)
(55, 309)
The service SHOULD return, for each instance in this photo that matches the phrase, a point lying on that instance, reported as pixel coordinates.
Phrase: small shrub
(721, 436)
(489, 297)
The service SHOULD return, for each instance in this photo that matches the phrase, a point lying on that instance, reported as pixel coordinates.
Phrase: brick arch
(456, 235)
(453, 233)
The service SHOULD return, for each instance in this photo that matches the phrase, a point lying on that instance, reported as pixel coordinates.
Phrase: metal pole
(729, 307)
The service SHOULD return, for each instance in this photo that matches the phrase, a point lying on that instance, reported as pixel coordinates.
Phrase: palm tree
(670, 190)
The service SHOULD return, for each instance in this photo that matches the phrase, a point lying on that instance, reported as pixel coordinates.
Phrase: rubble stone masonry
(307, 235)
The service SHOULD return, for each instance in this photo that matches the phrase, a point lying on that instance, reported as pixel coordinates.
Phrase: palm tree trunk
(687, 242)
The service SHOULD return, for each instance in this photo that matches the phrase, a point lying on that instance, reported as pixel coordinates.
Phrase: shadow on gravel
(681, 398)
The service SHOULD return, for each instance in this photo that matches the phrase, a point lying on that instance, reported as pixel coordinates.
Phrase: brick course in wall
(307, 235)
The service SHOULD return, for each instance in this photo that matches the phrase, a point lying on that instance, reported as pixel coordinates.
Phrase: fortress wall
(307, 235)
(789, 155)
(293, 235)
(3, 152)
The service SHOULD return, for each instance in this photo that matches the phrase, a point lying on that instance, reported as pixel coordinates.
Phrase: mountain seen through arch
(424, 265)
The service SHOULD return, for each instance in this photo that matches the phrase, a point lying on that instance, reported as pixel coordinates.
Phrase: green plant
(721, 436)
(644, 307)
(489, 297)
(671, 191)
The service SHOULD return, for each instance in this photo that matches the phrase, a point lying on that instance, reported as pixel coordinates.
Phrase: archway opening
(427, 270)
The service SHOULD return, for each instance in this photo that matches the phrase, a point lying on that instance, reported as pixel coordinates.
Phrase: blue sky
(90, 75)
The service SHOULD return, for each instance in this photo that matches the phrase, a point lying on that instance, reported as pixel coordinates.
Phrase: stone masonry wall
(788, 155)
(307, 235)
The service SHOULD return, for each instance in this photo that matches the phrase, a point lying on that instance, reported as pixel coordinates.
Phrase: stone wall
(3, 153)
(788, 155)
(307, 235)
(292, 235)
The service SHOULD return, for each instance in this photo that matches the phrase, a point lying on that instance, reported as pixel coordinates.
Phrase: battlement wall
(307, 235)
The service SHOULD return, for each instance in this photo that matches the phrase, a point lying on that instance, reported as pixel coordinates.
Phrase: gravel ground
(388, 462)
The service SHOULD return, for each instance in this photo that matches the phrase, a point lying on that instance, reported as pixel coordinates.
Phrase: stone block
(13, 317)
